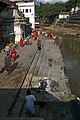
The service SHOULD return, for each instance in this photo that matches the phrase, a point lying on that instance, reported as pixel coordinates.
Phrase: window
(26, 10)
(30, 10)
(23, 10)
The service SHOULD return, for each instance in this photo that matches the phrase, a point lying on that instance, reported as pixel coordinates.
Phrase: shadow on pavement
(50, 107)
(2, 70)
(2, 46)
(47, 105)
(17, 56)
(14, 66)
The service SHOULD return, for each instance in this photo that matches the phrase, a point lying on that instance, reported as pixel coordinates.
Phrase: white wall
(63, 16)
(19, 29)
(29, 11)
(18, 34)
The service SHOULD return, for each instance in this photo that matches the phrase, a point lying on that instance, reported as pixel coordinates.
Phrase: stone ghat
(20, 118)
(74, 19)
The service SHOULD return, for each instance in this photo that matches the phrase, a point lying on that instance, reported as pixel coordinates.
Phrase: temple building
(63, 15)
(13, 24)
(27, 7)
(74, 17)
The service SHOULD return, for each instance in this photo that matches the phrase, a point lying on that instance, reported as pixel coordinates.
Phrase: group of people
(28, 40)
(10, 53)
(10, 56)
(54, 36)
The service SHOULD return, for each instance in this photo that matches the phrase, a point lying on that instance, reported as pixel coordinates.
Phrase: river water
(72, 64)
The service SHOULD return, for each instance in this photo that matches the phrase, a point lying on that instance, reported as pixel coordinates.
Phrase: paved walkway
(9, 84)
(50, 67)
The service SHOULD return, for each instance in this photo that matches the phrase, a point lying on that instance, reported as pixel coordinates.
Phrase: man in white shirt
(30, 99)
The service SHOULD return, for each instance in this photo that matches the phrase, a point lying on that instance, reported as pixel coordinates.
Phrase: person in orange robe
(35, 36)
(21, 42)
(13, 54)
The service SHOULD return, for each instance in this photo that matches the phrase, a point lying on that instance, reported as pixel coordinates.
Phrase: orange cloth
(35, 36)
(21, 42)
(13, 54)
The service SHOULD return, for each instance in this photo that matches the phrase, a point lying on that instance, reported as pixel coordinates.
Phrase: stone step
(21, 118)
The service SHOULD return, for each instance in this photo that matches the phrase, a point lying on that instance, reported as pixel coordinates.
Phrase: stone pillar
(18, 33)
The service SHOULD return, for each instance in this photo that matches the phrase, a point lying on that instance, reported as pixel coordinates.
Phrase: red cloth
(35, 36)
(21, 42)
(13, 54)
(48, 34)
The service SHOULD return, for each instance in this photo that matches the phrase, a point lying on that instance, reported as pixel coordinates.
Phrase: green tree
(51, 11)
(72, 4)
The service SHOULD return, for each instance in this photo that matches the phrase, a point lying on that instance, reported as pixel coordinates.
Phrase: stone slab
(20, 118)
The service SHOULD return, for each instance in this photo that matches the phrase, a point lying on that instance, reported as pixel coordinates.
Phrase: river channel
(70, 49)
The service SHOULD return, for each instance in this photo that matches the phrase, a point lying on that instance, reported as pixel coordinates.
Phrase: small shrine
(14, 25)
(74, 17)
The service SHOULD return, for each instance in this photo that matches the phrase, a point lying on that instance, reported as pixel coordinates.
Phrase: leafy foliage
(72, 4)
(51, 11)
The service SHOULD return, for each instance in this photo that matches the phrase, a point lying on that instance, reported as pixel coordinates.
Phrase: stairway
(74, 19)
